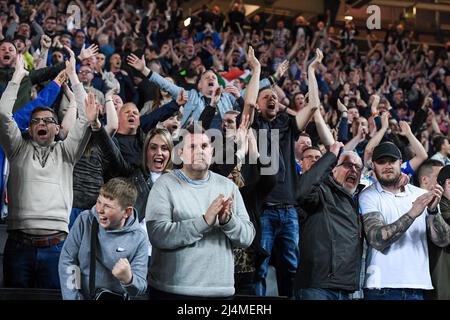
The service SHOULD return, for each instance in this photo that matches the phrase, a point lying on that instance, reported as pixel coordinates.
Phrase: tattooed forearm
(381, 235)
(438, 230)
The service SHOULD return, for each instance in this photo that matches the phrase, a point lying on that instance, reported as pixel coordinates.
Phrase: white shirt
(404, 264)
(440, 157)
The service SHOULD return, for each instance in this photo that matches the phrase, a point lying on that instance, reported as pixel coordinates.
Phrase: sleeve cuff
(200, 225)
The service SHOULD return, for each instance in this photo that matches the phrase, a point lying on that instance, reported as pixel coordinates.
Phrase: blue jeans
(321, 294)
(393, 294)
(282, 224)
(30, 267)
(74, 213)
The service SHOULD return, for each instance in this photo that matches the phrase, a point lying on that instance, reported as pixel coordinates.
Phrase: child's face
(111, 216)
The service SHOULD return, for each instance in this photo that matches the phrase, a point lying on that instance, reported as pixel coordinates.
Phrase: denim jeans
(30, 267)
(393, 294)
(74, 213)
(322, 294)
(282, 224)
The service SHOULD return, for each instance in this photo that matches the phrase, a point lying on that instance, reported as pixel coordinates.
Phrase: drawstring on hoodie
(42, 153)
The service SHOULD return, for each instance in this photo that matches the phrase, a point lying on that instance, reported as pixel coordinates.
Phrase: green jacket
(440, 262)
(35, 77)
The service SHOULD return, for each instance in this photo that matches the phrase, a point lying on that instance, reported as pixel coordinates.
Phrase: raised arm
(70, 116)
(43, 56)
(112, 120)
(420, 154)
(310, 180)
(251, 94)
(10, 136)
(163, 84)
(376, 139)
(79, 135)
(150, 120)
(314, 102)
(357, 139)
(302, 118)
(45, 97)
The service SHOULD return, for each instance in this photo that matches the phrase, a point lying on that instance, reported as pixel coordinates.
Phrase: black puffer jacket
(331, 238)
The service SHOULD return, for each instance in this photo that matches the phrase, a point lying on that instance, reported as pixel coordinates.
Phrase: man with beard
(196, 217)
(331, 246)
(397, 221)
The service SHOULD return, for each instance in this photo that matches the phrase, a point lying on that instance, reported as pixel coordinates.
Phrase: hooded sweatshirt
(40, 180)
(128, 242)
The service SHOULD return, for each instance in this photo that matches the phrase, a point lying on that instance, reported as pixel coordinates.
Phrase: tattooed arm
(381, 235)
(438, 230)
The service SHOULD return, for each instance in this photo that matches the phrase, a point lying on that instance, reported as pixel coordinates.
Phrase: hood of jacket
(131, 224)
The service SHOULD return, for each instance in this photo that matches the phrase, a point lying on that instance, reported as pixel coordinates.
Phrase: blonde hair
(167, 138)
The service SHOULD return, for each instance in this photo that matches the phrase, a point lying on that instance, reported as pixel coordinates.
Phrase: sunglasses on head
(46, 120)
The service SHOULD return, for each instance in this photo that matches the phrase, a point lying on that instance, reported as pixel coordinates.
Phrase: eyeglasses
(46, 120)
(84, 72)
(349, 165)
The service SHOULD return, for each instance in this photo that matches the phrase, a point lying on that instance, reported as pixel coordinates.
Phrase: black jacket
(254, 194)
(120, 167)
(331, 238)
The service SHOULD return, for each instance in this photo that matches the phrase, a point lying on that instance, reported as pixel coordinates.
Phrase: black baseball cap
(443, 175)
(386, 149)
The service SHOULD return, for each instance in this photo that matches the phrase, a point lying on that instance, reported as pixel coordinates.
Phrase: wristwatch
(434, 211)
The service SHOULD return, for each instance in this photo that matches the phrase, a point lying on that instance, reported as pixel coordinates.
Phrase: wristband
(433, 212)
(271, 80)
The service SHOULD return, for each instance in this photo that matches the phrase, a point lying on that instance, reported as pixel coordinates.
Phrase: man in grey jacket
(121, 258)
(40, 185)
(194, 219)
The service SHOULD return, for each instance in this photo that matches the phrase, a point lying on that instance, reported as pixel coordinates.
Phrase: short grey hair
(348, 153)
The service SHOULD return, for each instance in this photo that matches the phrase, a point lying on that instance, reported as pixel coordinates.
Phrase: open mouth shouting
(271, 105)
(42, 132)
(102, 220)
(351, 179)
(132, 120)
(158, 163)
(6, 58)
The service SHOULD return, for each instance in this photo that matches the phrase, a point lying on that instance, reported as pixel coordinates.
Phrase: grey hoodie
(129, 242)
